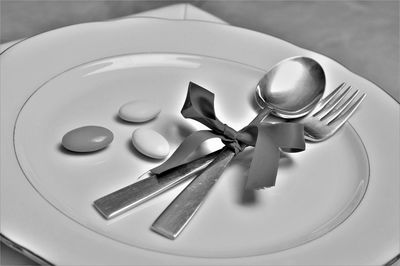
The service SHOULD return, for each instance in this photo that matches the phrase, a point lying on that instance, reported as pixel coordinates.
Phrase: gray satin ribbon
(266, 138)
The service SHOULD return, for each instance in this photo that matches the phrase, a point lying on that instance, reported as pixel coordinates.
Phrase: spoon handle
(264, 113)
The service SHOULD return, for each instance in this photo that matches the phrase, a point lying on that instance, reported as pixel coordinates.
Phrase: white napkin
(178, 11)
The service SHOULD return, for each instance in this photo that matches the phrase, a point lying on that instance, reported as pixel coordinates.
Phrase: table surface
(361, 35)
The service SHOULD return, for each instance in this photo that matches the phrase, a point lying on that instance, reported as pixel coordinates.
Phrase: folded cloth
(178, 11)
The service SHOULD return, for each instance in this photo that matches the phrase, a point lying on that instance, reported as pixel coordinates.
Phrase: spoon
(289, 90)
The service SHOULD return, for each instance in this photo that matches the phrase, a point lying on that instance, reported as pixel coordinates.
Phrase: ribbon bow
(266, 138)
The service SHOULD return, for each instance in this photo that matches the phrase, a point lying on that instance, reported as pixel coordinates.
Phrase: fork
(324, 121)
(329, 115)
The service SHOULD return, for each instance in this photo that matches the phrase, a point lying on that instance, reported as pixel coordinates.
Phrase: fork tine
(326, 100)
(339, 121)
(340, 108)
(332, 103)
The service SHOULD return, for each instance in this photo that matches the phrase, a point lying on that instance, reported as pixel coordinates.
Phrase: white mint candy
(150, 143)
(138, 111)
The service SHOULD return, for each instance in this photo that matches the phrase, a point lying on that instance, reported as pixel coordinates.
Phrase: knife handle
(128, 197)
(177, 215)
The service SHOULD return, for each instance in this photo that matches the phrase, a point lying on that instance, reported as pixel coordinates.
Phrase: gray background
(362, 35)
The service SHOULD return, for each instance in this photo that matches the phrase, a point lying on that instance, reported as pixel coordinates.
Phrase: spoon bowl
(291, 88)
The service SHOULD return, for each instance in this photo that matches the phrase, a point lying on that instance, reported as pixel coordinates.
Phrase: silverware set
(321, 118)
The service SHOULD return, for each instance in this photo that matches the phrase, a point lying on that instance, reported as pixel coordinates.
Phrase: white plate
(288, 214)
(82, 74)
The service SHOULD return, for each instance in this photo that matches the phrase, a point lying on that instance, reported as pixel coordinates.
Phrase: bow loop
(199, 105)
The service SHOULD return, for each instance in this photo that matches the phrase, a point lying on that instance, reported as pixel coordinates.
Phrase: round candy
(150, 143)
(139, 111)
(87, 139)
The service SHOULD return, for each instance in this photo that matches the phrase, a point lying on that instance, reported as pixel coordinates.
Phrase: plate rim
(16, 47)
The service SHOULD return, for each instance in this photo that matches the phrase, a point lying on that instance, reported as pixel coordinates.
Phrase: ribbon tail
(189, 145)
(288, 137)
(264, 165)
